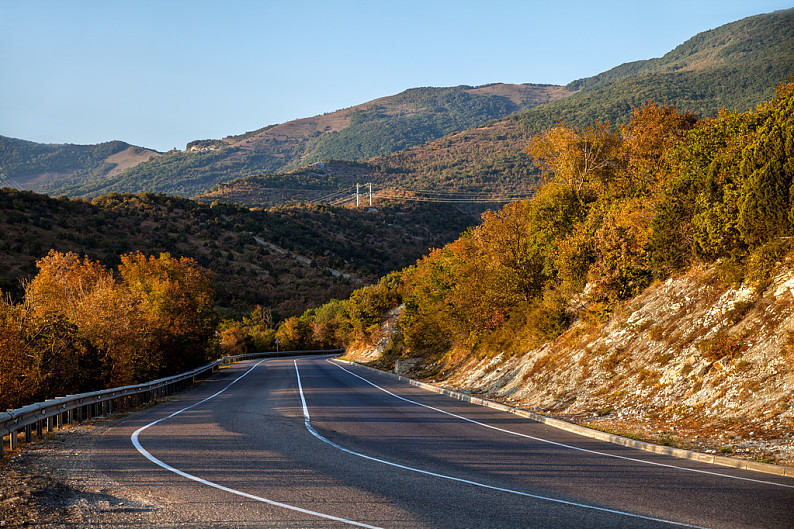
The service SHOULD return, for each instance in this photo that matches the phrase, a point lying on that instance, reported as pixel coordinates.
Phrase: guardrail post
(14, 440)
(28, 434)
(50, 421)
(39, 426)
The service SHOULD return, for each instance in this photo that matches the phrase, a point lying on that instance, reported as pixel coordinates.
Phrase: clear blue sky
(160, 73)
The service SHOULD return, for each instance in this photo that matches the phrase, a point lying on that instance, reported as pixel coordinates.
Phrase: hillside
(46, 168)
(720, 78)
(767, 39)
(735, 66)
(334, 182)
(363, 131)
(286, 259)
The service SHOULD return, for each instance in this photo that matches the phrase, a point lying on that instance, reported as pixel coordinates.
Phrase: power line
(6, 178)
(393, 193)
(449, 200)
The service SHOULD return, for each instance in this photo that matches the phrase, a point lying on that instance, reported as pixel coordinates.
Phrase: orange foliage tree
(176, 298)
(79, 328)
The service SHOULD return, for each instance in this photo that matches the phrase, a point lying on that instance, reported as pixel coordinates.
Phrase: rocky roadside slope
(690, 363)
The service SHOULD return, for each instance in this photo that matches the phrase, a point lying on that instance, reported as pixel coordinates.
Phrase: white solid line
(307, 421)
(150, 457)
(562, 445)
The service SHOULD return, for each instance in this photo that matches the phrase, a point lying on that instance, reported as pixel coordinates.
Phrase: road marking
(307, 422)
(562, 445)
(150, 457)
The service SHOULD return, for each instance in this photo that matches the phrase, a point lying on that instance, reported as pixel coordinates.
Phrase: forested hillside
(735, 67)
(288, 259)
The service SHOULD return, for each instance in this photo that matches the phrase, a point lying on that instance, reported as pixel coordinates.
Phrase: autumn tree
(176, 297)
(645, 141)
(18, 363)
(64, 311)
(580, 160)
(295, 333)
(260, 328)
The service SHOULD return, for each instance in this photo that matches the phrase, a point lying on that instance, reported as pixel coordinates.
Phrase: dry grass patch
(722, 346)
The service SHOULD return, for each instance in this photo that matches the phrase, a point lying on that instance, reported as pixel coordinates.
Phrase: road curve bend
(310, 442)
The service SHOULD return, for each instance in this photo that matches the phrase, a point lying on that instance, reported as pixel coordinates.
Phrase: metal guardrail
(54, 413)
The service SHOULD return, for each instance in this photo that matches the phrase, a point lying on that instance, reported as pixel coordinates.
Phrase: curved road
(311, 442)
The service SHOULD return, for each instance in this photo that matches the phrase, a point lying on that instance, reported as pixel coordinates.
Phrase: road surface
(311, 442)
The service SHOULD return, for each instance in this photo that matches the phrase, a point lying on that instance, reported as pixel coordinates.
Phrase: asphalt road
(310, 442)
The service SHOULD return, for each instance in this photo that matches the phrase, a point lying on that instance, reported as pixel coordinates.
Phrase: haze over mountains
(459, 139)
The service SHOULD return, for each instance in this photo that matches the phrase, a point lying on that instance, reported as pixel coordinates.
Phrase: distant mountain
(736, 66)
(381, 126)
(47, 168)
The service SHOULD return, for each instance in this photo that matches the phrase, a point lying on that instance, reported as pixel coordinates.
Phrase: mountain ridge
(45, 167)
(735, 66)
(382, 125)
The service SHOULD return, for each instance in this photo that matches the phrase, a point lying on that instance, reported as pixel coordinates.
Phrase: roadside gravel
(52, 483)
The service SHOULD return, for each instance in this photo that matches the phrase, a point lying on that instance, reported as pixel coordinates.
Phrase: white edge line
(136, 442)
(563, 445)
(307, 421)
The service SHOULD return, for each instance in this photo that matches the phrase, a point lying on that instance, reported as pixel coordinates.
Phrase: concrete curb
(596, 434)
